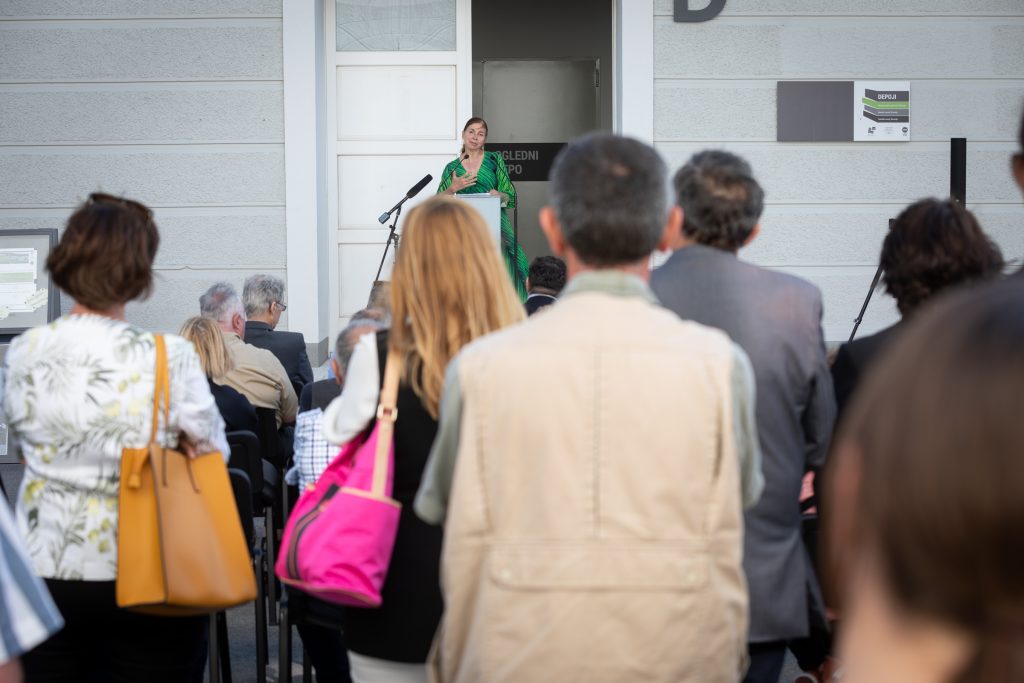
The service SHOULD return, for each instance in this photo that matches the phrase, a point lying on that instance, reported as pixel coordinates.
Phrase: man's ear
(673, 229)
(238, 324)
(753, 234)
(552, 231)
(339, 378)
(1018, 169)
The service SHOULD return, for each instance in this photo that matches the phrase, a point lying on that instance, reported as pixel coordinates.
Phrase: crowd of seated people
(606, 490)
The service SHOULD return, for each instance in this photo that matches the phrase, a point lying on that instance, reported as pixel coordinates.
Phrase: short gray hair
(610, 196)
(260, 291)
(220, 302)
(345, 345)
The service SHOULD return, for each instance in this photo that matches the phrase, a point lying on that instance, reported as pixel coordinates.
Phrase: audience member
(776, 319)
(933, 244)
(263, 298)
(598, 538)
(28, 616)
(78, 392)
(1017, 161)
(544, 282)
(320, 624)
(257, 373)
(449, 286)
(235, 408)
(927, 498)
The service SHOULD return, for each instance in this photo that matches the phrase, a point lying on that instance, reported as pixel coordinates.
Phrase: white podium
(489, 207)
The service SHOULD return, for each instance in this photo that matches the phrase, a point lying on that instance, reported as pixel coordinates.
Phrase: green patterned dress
(493, 176)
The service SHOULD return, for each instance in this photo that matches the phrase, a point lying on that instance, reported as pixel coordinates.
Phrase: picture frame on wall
(27, 296)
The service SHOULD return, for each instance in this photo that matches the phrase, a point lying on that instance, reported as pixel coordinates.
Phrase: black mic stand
(392, 236)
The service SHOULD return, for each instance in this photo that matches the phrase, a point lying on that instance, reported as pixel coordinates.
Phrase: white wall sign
(881, 111)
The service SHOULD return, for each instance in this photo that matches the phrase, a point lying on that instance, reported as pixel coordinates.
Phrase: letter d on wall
(683, 13)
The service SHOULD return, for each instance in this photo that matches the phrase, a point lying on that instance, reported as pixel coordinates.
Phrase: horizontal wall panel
(64, 177)
(396, 102)
(140, 113)
(867, 172)
(852, 235)
(966, 8)
(176, 295)
(369, 186)
(154, 51)
(815, 48)
(190, 237)
(745, 110)
(88, 9)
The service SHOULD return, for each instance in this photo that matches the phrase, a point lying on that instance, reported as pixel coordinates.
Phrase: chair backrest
(246, 455)
(268, 436)
(242, 488)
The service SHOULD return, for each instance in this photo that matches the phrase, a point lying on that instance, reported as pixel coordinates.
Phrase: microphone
(415, 189)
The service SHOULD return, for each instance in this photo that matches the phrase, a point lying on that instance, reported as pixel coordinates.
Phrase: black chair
(270, 438)
(220, 652)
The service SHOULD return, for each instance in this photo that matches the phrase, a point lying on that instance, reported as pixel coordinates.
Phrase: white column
(634, 51)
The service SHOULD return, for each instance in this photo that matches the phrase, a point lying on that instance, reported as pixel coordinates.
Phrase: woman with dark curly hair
(933, 244)
(927, 492)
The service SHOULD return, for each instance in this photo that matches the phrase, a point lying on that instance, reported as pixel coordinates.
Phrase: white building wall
(828, 205)
(176, 103)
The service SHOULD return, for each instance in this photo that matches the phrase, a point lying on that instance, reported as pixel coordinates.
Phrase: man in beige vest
(592, 464)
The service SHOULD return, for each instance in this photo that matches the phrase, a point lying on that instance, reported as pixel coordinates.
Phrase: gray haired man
(776, 319)
(258, 374)
(263, 298)
(596, 534)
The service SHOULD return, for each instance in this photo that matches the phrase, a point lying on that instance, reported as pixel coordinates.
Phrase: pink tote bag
(338, 540)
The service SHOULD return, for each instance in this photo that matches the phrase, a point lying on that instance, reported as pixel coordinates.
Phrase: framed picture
(27, 297)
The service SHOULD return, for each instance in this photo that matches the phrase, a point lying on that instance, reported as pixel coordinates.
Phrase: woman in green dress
(477, 171)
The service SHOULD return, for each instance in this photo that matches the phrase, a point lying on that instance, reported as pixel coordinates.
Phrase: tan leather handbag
(181, 549)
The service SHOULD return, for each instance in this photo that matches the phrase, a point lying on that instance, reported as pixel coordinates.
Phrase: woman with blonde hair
(213, 354)
(448, 287)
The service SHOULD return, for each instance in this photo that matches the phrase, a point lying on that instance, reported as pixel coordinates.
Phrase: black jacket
(289, 347)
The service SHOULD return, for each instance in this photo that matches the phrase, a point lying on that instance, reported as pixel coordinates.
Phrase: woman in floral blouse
(77, 392)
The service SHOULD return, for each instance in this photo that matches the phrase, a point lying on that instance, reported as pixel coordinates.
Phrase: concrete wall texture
(828, 204)
(176, 103)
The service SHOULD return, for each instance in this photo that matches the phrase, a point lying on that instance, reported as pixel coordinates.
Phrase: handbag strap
(387, 414)
(161, 386)
(161, 394)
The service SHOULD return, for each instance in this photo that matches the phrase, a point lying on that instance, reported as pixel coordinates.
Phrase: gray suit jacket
(776, 319)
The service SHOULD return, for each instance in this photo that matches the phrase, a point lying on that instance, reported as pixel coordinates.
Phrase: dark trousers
(766, 661)
(101, 642)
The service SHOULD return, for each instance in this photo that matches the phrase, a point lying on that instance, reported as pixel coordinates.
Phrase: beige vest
(594, 531)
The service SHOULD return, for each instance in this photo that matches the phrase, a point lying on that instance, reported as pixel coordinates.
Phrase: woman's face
(474, 137)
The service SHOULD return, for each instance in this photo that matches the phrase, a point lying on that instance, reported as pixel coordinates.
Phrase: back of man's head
(346, 342)
(220, 302)
(721, 200)
(548, 273)
(608, 193)
(260, 292)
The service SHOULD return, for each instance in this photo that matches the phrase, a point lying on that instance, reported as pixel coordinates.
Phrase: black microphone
(415, 189)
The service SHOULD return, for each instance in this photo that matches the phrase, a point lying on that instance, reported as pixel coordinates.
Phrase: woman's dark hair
(929, 474)
(933, 244)
(105, 256)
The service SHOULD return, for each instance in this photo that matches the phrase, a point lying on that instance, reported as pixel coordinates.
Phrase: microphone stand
(392, 236)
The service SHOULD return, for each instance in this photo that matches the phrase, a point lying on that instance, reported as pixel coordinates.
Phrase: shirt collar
(610, 281)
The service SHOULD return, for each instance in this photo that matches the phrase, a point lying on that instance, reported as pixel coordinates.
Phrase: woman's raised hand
(461, 182)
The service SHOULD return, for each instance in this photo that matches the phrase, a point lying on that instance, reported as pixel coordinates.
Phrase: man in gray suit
(776, 319)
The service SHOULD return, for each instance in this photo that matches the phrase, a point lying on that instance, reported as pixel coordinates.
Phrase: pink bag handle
(387, 414)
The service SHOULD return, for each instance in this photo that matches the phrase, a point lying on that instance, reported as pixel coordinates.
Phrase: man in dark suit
(263, 298)
(544, 282)
(776, 319)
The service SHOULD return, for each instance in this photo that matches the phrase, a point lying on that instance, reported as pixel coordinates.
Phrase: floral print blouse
(76, 392)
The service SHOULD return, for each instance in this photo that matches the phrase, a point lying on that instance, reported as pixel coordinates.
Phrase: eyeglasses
(104, 198)
(283, 307)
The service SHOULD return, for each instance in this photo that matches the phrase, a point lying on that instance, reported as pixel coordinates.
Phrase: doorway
(541, 76)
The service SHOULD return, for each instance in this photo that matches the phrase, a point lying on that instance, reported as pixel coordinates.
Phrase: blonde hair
(449, 286)
(205, 335)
